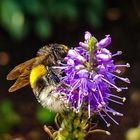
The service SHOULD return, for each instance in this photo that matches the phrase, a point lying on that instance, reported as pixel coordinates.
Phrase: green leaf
(98, 6)
(33, 7)
(43, 28)
(62, 9)
(133, 133)
(94, 18)
(8, 116)
(12, 18)
(94, 12)
(44, 115)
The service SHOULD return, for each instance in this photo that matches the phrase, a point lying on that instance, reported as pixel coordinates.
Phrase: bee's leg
(56, 138)
(48, 131)
(55, 135)
(56, 121)
(57, 118)
(62, 115)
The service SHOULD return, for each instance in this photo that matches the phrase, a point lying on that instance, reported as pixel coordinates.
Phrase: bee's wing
(21, 82)
(21, 73)
(19, 69)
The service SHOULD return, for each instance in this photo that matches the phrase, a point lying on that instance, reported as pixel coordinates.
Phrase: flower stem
(91, 46)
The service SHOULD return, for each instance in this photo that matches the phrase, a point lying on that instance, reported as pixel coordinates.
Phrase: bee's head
(36, 73)
(59, 50)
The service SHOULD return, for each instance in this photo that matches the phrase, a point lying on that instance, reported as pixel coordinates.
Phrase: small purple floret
(104, 42)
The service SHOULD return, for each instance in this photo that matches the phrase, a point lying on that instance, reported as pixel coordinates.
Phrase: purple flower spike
(90, 73)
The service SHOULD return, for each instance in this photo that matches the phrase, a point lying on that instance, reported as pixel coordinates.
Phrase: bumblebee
(43, 79)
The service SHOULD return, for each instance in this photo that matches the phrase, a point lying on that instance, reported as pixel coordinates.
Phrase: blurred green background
(27, 25)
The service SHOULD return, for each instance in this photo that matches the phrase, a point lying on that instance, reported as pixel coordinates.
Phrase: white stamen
(124, 99)
(88, 107)
(100, 93)
(114, 101)
(107, 124)
(97, 100)
(111, 117)
(118, 71)
(108, 133)
(114, 112)
(118, 97)
(124, 88)
(117, 53)
(59, 67)
(121, 78)
(118, 89)
(123, 65)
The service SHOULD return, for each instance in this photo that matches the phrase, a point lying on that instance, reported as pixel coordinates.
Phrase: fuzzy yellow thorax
(36, 73)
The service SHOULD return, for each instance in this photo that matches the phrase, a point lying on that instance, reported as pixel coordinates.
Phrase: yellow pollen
(36, 73)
